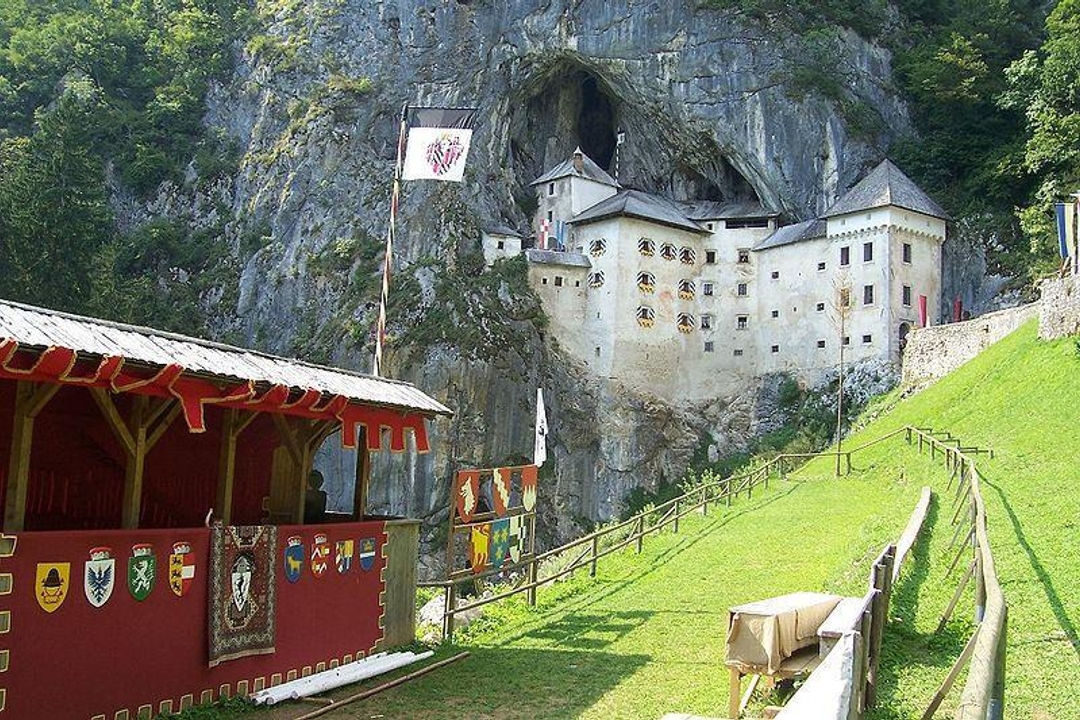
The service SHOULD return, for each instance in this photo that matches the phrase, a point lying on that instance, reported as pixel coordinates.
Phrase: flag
(1070, 225)
(545, 233)
(922, 311)
(1063, 217)
(540, 444)
(438, 143)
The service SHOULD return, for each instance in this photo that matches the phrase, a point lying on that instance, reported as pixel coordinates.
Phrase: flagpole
(395, 195)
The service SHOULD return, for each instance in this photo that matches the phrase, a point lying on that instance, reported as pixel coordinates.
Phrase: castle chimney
(579, 160)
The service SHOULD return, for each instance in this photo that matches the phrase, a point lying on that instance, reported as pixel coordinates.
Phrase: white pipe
(330, 679)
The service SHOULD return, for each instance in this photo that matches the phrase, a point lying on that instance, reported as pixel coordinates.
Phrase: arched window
(596, 279)
(646, 282)
(686, 323)
(686, 289)
(646, 316)
(646, 246)
(597, 247)
(687, 256)
(668, 251)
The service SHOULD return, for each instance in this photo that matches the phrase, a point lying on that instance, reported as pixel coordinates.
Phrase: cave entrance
(596, 123)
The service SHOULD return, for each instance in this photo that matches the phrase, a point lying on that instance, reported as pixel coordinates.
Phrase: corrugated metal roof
(886, 185)
(553, 257)
(791, 234)
(639, 204)
(40, 327)
(589, 170)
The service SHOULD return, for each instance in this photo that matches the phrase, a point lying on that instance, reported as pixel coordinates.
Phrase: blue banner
(1063, 244)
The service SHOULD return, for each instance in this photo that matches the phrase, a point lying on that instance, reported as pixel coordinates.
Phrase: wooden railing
(605, 541)
(983, 696)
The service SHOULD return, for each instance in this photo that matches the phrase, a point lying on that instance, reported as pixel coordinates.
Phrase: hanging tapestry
(242, 591)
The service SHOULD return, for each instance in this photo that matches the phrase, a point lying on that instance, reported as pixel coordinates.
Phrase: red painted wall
(81, 661)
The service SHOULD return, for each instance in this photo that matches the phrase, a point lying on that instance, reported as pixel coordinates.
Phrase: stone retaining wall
(1059, 314)
(938, 350)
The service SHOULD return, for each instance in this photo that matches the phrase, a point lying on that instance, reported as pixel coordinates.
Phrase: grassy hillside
(1021, 397)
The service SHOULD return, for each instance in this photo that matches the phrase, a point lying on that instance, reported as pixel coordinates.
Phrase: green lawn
(647, 635)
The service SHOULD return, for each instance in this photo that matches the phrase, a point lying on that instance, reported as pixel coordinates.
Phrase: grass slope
(1021, 397)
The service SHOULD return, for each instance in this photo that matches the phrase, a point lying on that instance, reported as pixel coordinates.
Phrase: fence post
(640, 532)
(920, 443)
(727, 491)
(675, 525)
(848, 464)
(704, 502)
(592, 566)
(448, 612)
(996, 711)
(530, 594)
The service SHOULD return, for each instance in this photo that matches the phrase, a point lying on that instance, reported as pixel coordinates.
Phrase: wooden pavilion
(176, 467)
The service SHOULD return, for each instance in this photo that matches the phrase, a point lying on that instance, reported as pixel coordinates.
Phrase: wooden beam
(131, 507)
(226, 467)
(30, 399)
(159, 409)
(288, 437)
(112, 416)
(162, 425)
(363, 476)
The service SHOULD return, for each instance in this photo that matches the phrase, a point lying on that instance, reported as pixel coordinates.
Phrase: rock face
(712, 107)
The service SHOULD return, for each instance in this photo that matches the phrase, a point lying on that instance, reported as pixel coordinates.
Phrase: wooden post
(876, 627)
(996, 711)
(675, 524)
(530, 594)
(363, 480)
(727, 491)
(734, 690)
(640, 532)
(595, 548)
(448, 612)
(30, 399)
(232, 425)
(704, 502)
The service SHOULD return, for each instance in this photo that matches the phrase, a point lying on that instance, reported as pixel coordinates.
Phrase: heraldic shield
(517, 537)
(528, 486)
(51, 585)
(500, 541)
(343, 556)
(367, 553)
(294, 558)
(466, 493)
(479, 547)
(320, 555)
(181, 568)
(500, 490)
(99, 576)
(142, 571)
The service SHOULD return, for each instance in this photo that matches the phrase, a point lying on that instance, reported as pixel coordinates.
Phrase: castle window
(550, 216)
(907, 253)
(744, 256)
(775, 313)
(820, 307)
(646, 282)
(708, 226)
(646, 247)
(597, 247)
(577, 283)
(821, 344)
(551, 188)
(775, 275)
(868, 295)
(597, 350)
(558, 281)
(867, 338)
(543, 281)
(707, 289)
(668, 251)
(685, 323)
(706, 322)
(686, 290)
(646, 316)
(737, 352)
(740, 290)
(868, 252)
(687, 256)
(501, 245)
(906, 293)
(820, 266)
(710, 257)
(847, 339)
(774, 349)
(708, 346)
(751, 223)
(742, 322)
(596, 279)
(845, 256)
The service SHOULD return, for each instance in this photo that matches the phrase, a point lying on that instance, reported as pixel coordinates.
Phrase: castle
(687, 301)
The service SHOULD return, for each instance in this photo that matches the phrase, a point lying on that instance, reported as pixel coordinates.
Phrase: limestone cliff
(712, 107)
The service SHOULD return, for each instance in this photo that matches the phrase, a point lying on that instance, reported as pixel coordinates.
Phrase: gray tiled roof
(554, 257)
(886, 185)
(589, 170)
(717, 210)
(791, 234)
(639, 204)
(42, 328)
(502, 230)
